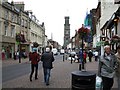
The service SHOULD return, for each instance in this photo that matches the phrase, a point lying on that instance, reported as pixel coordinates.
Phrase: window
(67, 32)
(18, 20)
(0, 28)
(25, 23)
(15, 18)
(12, 17)
(6, 14)
(6, 30)
(22, 22)
(12, 31)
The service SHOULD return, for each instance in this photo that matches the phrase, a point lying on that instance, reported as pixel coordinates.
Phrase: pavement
(60, 75)
(8, 62)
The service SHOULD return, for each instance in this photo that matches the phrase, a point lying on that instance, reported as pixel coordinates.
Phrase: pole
(63, 57)
(82, 53)
(19, 54)
(71, 59)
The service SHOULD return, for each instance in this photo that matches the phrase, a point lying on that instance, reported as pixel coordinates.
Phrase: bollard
(63, 57)
(83, 80)
(71, 59)
(66, 56)
(80, 65)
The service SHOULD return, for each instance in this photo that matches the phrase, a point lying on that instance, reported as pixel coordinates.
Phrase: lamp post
(83, 32)
(19, 54)
(18, 39)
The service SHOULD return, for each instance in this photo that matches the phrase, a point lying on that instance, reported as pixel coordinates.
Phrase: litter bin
(83, 80)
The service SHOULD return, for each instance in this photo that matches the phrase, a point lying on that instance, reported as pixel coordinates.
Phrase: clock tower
(66, 31)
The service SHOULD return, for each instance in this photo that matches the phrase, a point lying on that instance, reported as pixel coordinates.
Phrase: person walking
(34, 63)
(47, 58)
(80, 56)
(118, 69)
(107, 66)
(96, 55)
(30, 54)
(84, 56)
(90, 55)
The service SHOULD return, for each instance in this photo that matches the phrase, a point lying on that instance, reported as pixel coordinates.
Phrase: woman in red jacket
(35, 58)
(84, 56)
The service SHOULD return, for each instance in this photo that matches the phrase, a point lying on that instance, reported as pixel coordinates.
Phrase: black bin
(83, 80)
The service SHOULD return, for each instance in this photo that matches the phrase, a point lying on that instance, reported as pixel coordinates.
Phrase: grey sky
(52, 13)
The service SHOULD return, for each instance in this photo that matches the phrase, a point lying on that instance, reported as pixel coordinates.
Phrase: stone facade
(9, 25)
(14, 21)
(37, 33)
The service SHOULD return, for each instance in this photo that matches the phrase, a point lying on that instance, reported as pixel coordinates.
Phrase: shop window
(12, 31)
(6, 30)
(6, 14)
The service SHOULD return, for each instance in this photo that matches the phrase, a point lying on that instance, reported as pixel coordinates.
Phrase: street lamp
(18, 40)
(82, 32)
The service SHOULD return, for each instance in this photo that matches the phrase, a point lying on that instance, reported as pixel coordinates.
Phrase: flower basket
(115, 39)
(83, 32)
(106, 43)
(35, 44)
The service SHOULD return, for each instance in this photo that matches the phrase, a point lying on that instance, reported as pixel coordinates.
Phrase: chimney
(19, 5)
(42, 24)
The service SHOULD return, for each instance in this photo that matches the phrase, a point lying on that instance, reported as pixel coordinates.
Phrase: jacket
(118, 69)
(47, 58)
(107, 65)
(90, 54)
(35, 58)
(84, 55)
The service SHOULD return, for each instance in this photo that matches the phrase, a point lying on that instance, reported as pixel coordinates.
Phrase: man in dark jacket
(34, 63)
(107, 67)
(90, 55)
(47, 58)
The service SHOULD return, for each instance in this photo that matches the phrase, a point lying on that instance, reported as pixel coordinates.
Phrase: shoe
(30, 80)
(36, 78)
(47, 84)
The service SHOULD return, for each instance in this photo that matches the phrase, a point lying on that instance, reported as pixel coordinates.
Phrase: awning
(104, 25)
(110, 24)
(114, 16)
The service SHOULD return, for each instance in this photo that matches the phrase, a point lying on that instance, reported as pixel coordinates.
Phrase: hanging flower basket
(20, 38)
(106, 43)
(115, 39)
(35, 44)
(83, 32)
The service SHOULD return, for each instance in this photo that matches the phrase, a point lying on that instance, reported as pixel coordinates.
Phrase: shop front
(24, 48)
(8, 50)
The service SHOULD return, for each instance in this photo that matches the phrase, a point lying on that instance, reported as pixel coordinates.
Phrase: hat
(34, 49)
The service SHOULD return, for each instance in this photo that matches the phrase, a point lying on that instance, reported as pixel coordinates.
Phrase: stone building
(9, 24)
(37, 33)
(15, 23)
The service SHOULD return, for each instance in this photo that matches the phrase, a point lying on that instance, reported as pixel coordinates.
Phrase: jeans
(90, 59)
(96, 58)
(46, 75)
(118, 83)
(32, 71)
